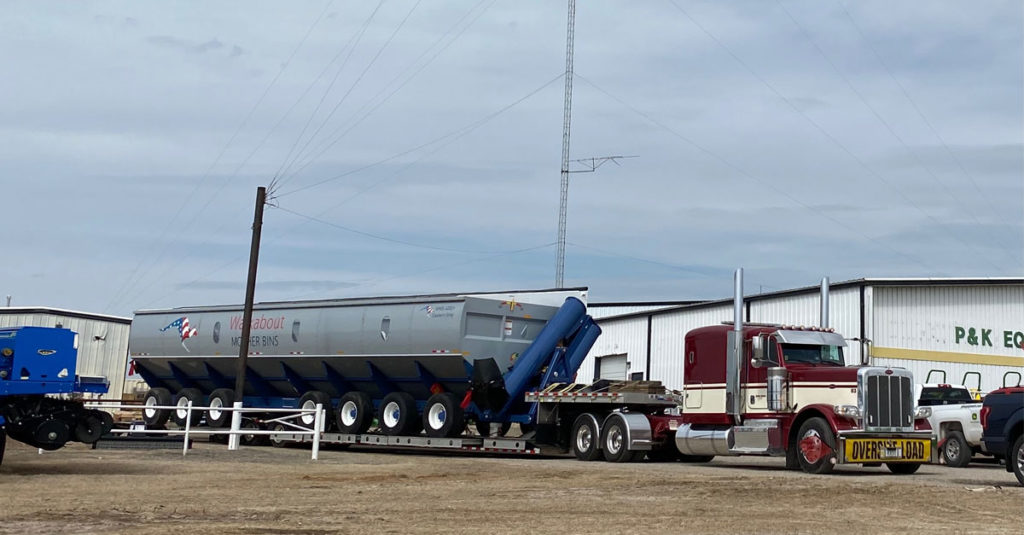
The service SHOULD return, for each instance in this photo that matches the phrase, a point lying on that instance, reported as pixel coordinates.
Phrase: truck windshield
(813, 354)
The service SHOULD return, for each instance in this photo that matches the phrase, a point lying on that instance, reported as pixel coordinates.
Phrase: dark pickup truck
(1002, 418)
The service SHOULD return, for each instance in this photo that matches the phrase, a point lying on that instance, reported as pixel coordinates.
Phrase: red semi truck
(755, 390)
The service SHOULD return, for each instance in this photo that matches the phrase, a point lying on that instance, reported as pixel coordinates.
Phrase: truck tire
(309, 401)
(354, 413)
(485, 429)
(157, 397)
(585, 439)
(181, 400)
(397, 415)
(955, 450)
(815, 446)
(614, 443)
(903, 469)
(1016, 459)
(221, 397)
(442, 416)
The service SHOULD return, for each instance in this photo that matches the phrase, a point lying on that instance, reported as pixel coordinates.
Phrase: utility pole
(566, 120)
(250, 292)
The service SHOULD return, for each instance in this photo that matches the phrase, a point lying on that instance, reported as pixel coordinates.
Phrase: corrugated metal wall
(917, 321)
(102, 345)
(916, 327)
(668, 335)
(622, 336)
(805, 309)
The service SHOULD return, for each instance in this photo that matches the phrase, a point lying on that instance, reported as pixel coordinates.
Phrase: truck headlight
(922, 412)
(847, 411)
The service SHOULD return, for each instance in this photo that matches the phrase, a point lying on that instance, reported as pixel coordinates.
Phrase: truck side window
(773, 351)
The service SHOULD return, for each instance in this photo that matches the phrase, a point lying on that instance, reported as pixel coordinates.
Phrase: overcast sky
(797, 139)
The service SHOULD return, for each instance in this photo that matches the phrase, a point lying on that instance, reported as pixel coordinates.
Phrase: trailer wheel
(442, 416)
(955, 451)
(586, 438)
(355, 413)
(486, 429)
(615, 442)
(276, 440)
(815, 446)
(903, 468)
(309, 401)
(220, 398)
(181, 402)
(156, 397)
(397, 415)
(88, 429)
(252, 440)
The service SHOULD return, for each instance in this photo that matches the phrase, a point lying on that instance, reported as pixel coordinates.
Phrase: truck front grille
(888, 400)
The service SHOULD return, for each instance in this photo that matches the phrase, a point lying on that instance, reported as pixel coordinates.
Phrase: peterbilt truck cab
(787, 391)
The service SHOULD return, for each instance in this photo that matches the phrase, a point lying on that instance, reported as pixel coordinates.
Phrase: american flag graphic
(184, 330)
(429, 309)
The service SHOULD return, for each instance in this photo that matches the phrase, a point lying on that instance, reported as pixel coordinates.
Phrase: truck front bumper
(857, 447)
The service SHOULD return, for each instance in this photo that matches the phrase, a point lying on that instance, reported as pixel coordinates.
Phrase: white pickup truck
(955, 421)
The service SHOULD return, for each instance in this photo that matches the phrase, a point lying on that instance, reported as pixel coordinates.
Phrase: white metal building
(971, 326)
(102, 340)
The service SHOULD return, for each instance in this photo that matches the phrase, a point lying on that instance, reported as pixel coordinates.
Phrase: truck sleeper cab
(793, 395)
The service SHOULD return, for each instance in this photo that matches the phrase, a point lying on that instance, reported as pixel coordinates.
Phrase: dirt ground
(271, 490)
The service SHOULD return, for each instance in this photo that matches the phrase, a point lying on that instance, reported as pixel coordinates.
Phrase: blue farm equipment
(37, 363)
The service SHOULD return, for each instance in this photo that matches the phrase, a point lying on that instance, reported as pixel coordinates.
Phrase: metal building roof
(64, 312)
(865, 281)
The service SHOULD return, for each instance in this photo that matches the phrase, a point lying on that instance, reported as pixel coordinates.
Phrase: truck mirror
(757, 348)
(756, 363)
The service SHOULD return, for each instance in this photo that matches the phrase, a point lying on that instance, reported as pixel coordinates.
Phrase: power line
(641, 259)
(917, 109)
(354, 41)
(877, 115)
(117, 296)
(747, 175)
(448, 139)
(352, 86)
(338, 134)
(459, 132)
(446, 266)
(385, 238)
(824, 132)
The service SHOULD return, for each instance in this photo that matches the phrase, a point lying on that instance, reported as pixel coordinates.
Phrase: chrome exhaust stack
(734, 355)
(824, 303)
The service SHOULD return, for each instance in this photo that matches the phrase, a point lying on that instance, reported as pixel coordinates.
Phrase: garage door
(612, 367)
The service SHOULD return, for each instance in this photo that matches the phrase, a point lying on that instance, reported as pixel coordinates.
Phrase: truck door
(755, 380)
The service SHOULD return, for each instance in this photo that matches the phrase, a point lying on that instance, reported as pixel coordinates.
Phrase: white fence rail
(291, 418)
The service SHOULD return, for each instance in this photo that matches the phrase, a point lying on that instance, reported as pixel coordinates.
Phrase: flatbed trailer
(631, 415)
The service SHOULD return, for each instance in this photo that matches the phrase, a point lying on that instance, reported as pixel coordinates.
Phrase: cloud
(275, 286)
(194, 47)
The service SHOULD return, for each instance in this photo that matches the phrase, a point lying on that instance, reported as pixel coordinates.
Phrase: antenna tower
(566, 119)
